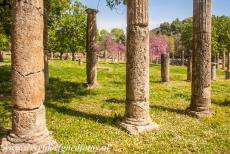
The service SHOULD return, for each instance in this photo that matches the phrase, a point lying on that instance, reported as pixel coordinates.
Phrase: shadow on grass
(3, 133)
(222, 104)
(5, 93)
(115, 101)
(65, 91)
(71, 112)
(167, 109)
(5, 84)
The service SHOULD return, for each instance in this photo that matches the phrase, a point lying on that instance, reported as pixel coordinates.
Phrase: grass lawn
(88, 117)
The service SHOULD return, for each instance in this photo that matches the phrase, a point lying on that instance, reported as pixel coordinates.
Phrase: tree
(5, 24)
(65, 21)
(113, 3)
(109, 44)
(165, 28)
(201, 75)
(159, 47)
(176, 26)
(119, 35)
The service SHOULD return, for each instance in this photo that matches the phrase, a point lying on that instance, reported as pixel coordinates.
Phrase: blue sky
(159, 11)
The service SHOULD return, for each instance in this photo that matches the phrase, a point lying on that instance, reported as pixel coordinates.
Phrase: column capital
(91, 11)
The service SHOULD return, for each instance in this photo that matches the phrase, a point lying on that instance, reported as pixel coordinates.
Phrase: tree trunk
(182, 58)
(91, 62)
(73, 56)
(137, 117)
(165, 67)
(28, 85)
(217, 60)
(223, 61)
(105, 55)
(228, 66)
(189, 67)
(173, 56)
(61, 55)
(1, 56)
(201, 64)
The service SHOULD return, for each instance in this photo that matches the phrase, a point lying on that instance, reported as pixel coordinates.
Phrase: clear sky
(159, 11)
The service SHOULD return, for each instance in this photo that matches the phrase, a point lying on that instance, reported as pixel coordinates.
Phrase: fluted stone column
(137, 118)
(165, 67)
(28, 87)
(91, 62)
(201, 68)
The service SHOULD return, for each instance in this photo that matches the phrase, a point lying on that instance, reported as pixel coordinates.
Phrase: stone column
(165, 67)
(213, 71)
(201, 68)
(189, 66)
(228, 66)
(28, 85)
(182, 58)
(137, 118)
(91, 59)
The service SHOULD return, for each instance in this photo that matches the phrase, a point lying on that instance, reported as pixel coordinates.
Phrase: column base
(29, 133)
(44, 145)
(135, 128)
(92, 85)
(201, 114)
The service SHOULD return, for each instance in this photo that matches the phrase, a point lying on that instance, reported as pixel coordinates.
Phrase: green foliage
(186, 33)
(5, 21)
(102, 34)
(176, 26)
(4, 41)
(113, 3)
(165, 28)
(67, 26)
(119, 35)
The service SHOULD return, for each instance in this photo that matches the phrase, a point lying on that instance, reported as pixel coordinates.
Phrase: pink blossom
(157, 47)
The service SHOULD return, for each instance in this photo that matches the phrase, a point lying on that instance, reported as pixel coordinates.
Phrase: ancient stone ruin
(28, 84)
(91, 57)
(201, 69)
(137, 117)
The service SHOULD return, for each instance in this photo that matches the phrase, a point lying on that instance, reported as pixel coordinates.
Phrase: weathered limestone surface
(165, 60)
(201, 70)
(137, 118)
(28, 86)
(189, 66)
(91, 62)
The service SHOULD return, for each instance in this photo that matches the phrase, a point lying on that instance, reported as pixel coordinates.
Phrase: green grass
(88, 117)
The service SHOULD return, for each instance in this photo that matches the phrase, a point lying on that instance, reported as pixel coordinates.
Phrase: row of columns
(28, 88)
